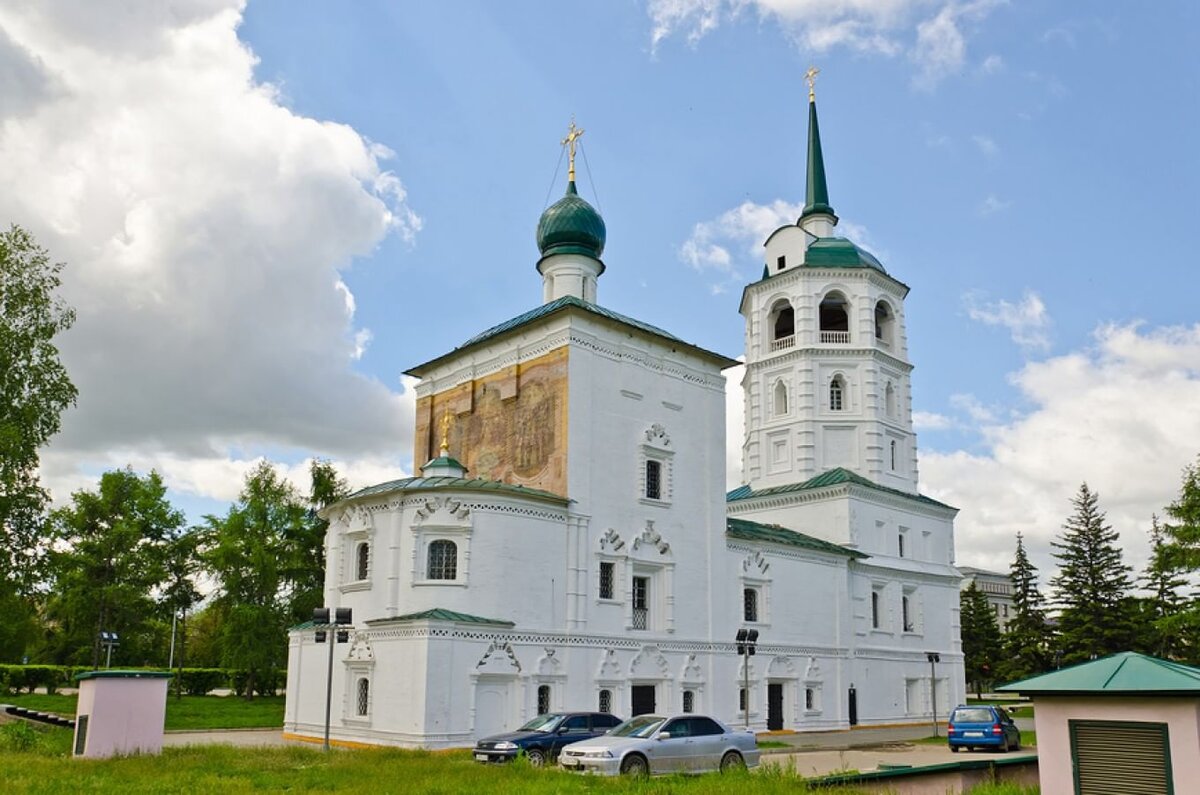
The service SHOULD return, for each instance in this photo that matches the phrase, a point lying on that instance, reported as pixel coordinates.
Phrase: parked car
(982, 726)
(543, 737)
(655, 744)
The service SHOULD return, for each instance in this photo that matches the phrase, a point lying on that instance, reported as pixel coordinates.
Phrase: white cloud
(204, 226)
(931, 421)
(1027, 321)
(1120, 416)
(986, 144)
(992, 204)
(929, 31)
(993, 64)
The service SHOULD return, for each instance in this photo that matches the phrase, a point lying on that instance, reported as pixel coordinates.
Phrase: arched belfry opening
(835, 318)
(782, 323)
(885, 324)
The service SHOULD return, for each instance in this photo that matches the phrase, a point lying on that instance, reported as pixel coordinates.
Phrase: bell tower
(827, 380)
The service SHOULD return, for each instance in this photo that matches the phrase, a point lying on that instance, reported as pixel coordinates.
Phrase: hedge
(194, 681)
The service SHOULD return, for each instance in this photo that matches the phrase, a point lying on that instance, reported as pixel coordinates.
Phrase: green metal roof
(442, 614)
(571, 226)
(461, 484)
(832, 477)
(816, 194)
(1128, 673)
(441, 462)
(566, 303)
(838, 252)
(115, 673)
(776, 534)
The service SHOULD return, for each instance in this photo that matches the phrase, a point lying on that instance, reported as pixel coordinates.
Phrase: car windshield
(542, 723)
(975, 715)
(641, 726)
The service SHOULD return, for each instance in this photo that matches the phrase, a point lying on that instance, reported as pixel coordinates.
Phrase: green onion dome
(571, 226)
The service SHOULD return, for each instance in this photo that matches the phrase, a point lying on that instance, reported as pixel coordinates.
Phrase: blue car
(542, 738)
(982, 726)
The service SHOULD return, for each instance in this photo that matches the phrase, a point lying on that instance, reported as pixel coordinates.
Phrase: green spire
(816, 197)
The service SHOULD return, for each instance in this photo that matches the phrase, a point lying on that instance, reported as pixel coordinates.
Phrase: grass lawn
(1028, 739)
(190, 712)
(219, 769)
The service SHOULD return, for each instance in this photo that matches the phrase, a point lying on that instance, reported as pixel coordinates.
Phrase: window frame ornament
(656, 447)
(441, 519)
(359, 530)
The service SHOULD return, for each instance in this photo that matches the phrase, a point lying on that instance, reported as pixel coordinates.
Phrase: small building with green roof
(1128, 723)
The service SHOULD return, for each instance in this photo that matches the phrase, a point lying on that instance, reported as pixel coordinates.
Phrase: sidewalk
(825, 762)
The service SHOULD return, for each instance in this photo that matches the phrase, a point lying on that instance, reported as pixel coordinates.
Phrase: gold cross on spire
(573, 135)
(446, 432)
(810, 77)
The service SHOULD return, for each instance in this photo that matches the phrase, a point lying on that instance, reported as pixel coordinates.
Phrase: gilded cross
(446, 431)
(810, 77)
(573, 135)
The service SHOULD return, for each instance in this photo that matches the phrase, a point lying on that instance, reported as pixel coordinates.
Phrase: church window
(900, 543)
(443, 560)
(689, 697)
(905, 613)
(889, 400)
(885, 322)
(362, 697)
(641, 602)
(781, 263)
(362, 560)
(605, 704)
(834, 319)
(750, 604)
(810, 698)
(781, 401)
(543, 699)
(742, 699)
(654, 480)
(893, 449)
(876, 609)
(837, 390)
(606, 579)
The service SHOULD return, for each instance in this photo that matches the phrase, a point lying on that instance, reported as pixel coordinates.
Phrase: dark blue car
(542, 738)
(982, 726)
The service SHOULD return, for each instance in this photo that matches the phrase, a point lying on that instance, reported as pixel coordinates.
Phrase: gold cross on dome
(810, 77)
(573, 134)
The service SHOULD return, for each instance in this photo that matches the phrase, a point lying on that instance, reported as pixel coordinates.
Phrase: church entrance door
(853, 707)
(491, 707)
(643, 700)
(774, 706)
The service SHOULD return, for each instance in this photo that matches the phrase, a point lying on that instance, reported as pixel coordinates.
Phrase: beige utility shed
(1125, 723)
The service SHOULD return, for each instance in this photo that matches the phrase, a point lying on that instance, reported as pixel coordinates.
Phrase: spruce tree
(980, 638)
(1026, 641)
(1166, 586)
(1181, 550)
(1092, 585)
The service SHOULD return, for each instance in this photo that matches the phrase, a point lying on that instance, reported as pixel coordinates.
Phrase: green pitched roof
(776, 534)
(563, 304)
(838, 252)
(442, 614)
(571, 226)
(463, 484)
(816, 194)
(832, 477)
(1127, 673)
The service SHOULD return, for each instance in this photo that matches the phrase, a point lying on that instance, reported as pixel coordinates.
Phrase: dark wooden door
(643, 700)
(853, 707)
(774, 706)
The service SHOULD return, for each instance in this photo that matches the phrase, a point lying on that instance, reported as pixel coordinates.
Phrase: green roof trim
(563, 304)
(777, 534)
(838, 252)
(116, 673)
(816, 194)
(463, 484)
(1128, 673)
(442, 614)
(443, 461)
(832, 477)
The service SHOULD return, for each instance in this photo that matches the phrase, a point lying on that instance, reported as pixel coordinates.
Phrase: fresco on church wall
(509, 426)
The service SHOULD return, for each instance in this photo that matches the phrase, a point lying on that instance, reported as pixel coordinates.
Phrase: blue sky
(271, 211)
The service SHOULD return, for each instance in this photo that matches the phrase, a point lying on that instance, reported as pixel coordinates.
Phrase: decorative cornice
(792, 354)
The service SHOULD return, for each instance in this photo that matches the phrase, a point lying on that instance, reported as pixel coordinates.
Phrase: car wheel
(1004, 748)
(536, 757)
(732, 761)
(954, 749)
(1017, 747)
(635, 766)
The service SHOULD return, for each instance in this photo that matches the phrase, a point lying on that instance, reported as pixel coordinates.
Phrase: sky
(270, 210)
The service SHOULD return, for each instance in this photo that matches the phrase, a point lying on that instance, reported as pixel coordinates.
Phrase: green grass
(1028, 739)
(220, 769)
(1023, 709)
(189, 712)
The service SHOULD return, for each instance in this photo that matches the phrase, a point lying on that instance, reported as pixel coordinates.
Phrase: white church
(569, 544)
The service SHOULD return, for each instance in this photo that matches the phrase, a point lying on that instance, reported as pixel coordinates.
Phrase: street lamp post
(934, 658)
(321, 622)
(747, 639)
(108, 640)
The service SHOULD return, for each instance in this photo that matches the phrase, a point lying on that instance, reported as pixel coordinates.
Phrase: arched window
(885, 322)
(362, 560)
(689, 701)
(363, 697)
(834, 318)
(443, 560)
(543, 705)
(606, 701)
(889, 399)
(837, 394)
(781, 406)
(782, 325)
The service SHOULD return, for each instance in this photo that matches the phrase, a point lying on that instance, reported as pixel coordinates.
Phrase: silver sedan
(656, 744)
